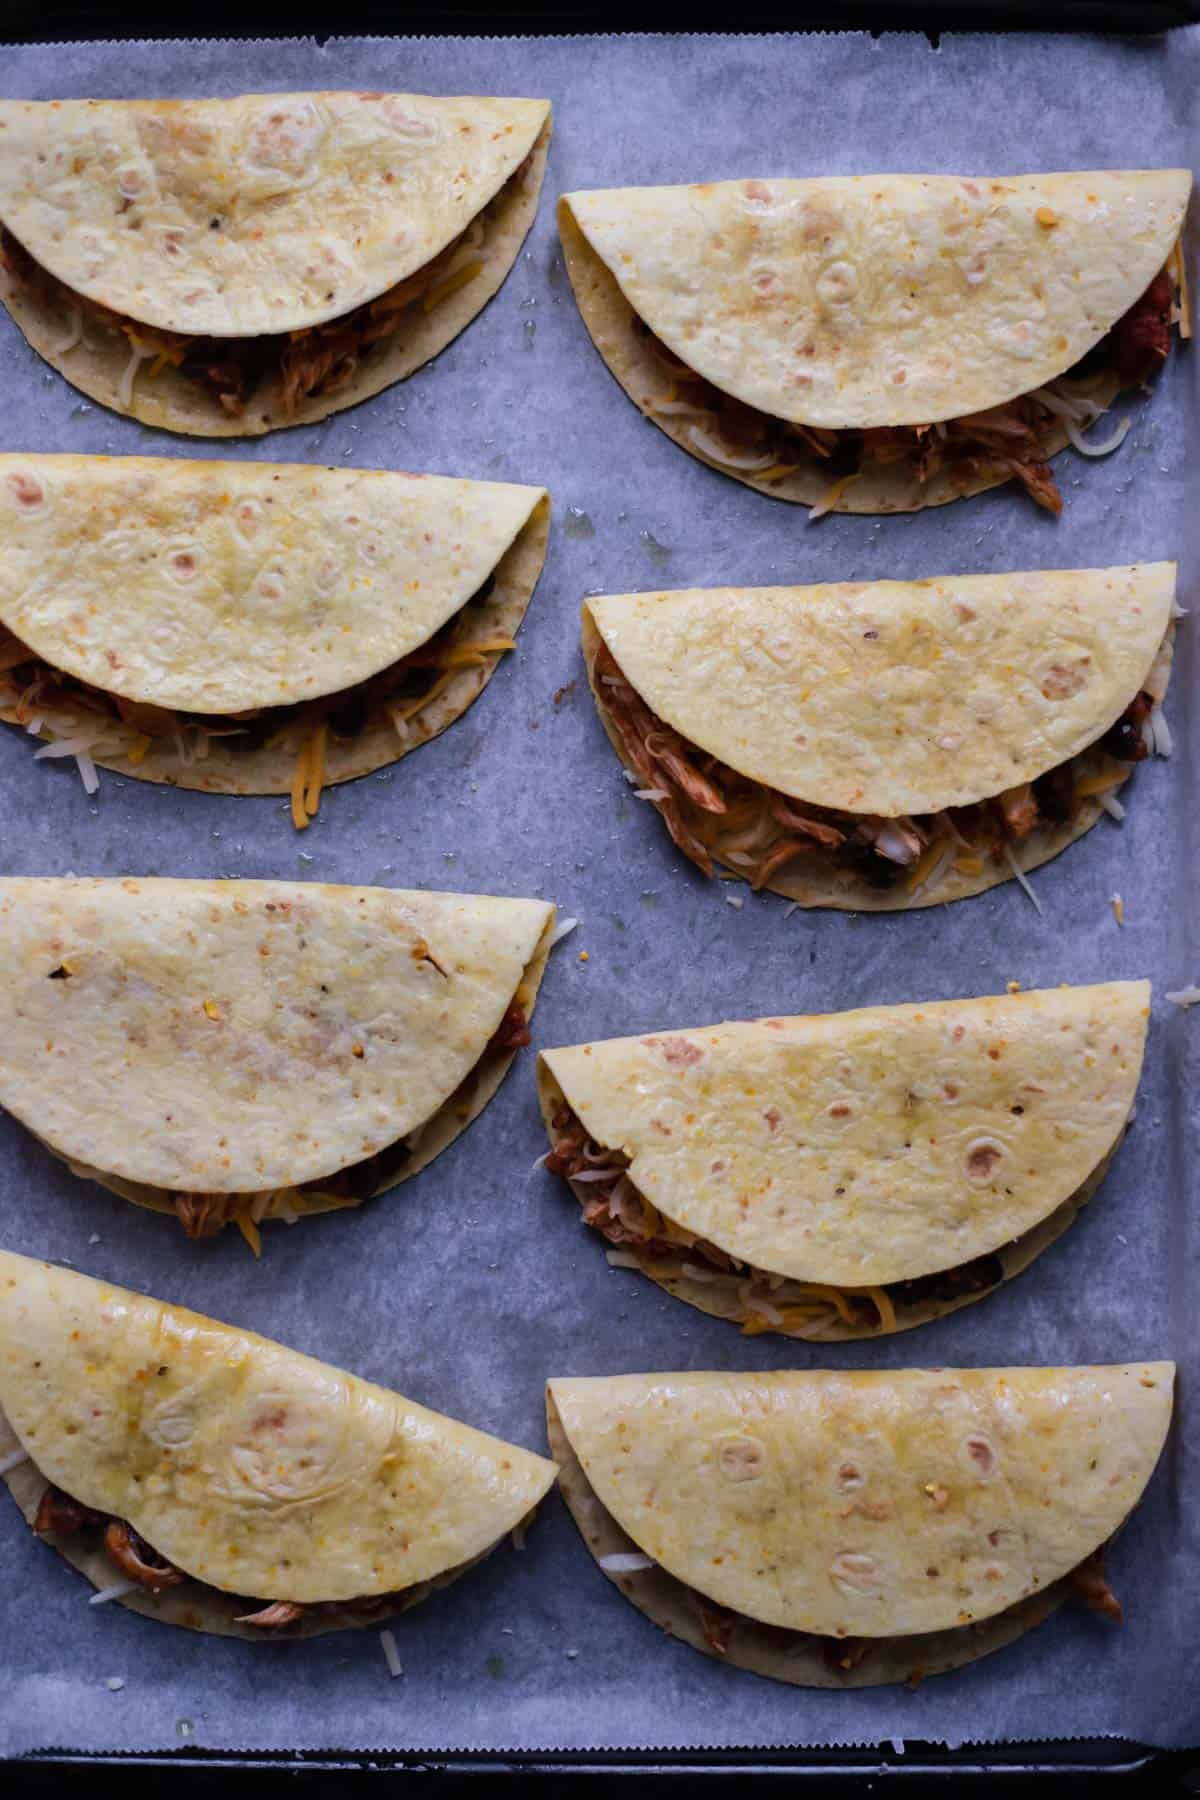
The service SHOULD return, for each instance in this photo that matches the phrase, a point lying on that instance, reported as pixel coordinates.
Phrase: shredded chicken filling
(318, 360)
(69, 711)
(59, 1515)
(712, 812)
(613, 1206)
(1006, 440)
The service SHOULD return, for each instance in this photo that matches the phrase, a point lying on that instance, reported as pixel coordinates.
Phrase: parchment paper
(468, 1287)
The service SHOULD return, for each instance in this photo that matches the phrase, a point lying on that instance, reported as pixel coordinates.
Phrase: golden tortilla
(938, 1508)
(238, 1036)
(323, 201)
(249, 1466)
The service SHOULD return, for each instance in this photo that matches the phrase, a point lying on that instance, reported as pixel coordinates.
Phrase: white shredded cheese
(1112, 806)
(563, 929)
(1021, 876)
(680, 409)
(74, 334)
(625, 1562)
(125, 385)
(540, 1163)
(13, 1461)
(794, 907)
(117, 1591)
(651, 794)
(621, 1259)
(114, 1684)
(1187, 996)
(734, 900)
(72, 746)
(1161, 731)
(831, 496)
(391, 1654)
(87, 772)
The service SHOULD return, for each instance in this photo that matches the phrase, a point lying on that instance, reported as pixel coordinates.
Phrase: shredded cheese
(1160, 731)
(1093, 785)
(1185, 997)
(831, 496)
(316, 772)
(391, 1654)
(125, 386)
(625, 1562)
(832, 1296)
(299, 783)
(117, 1591)
(621, 1259)
(1118, 906)
(475, 652)
(249, 1231)
(452, 283)
(1021, 876)
(308, 778)
(881, 1300)
(931, 861)
(563, 929)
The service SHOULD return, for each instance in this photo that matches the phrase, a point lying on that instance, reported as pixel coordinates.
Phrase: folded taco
(845, 1175)
(880, 343)
(844, 1530)
(234, 1051)
(252, 628)
(884, 744)
(223, 267)
(209, 1478)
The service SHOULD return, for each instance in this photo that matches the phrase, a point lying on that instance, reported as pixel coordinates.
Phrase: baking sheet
(469, 1286)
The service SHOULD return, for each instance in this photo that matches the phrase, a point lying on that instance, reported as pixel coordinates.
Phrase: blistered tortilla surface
(217, 587)
(870, 1504)
(233, 1036)
(246, 1464)
(872, 1146)
(261, 214)
(860, 301)
(893, 697)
